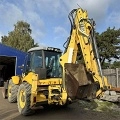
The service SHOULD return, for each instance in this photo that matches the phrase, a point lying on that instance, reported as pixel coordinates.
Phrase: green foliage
(108, 43)
(105, 65)
(20, 38)
(115, 64)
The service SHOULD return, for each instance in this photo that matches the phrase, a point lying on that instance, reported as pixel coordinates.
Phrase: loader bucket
(79, 83)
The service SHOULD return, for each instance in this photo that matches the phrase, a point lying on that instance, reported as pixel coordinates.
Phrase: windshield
(52, 64)
(34, 60)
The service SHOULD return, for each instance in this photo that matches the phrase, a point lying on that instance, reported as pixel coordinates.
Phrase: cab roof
(45, 48)
(38, 48)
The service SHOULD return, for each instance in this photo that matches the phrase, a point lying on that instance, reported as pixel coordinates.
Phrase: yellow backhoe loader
(51, 77)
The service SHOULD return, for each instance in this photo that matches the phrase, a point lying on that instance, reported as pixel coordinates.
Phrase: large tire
(4, 93)
(23, 99)
(12, 92)
(5, 90)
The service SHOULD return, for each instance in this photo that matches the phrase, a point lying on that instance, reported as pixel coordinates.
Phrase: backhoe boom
(82, 36)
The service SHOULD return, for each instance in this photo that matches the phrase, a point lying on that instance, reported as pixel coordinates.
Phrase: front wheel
(23, 99)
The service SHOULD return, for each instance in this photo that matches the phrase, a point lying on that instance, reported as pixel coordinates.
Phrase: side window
(36, 60)
(27, 63)
(50, 61)
(46, 61)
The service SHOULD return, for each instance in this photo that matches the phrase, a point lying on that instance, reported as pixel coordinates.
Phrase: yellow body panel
(64, 97)
(52, 83)
(15, 79)
(28, 78)
(32, 76)
(41, 98)
(58, 99)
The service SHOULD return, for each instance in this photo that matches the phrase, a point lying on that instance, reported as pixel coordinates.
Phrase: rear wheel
(4, 93)
(23, 99)
(12, 92)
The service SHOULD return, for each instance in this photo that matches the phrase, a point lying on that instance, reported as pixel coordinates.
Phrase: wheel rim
(9, 90)
(22, 98)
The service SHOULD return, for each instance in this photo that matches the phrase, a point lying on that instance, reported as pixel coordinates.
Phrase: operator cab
(43, 61)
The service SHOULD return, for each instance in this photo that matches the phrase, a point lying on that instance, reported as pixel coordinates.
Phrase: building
(10, 60)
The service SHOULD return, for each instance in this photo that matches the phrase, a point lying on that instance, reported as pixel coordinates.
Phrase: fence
(113, 76)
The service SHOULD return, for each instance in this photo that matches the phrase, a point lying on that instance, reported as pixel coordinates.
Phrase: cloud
(37, 25)
(44, 15)
(60, 36)
(60, 32)
(48, 6)
(96, 8)
(13, 12)
(113, 15)
(10, 14)
(114, 19)
(104, 12)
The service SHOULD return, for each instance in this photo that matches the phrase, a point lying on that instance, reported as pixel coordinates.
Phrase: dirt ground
(75, 111)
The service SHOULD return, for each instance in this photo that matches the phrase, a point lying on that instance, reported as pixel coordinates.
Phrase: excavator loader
(51, 77)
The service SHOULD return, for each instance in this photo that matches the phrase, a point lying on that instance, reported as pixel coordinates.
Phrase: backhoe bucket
(79, 84)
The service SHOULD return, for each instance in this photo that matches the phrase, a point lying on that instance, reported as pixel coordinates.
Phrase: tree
(108, 43)
(116, 64)
(20, 38)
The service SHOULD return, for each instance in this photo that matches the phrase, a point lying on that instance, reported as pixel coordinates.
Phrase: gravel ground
(76, 111)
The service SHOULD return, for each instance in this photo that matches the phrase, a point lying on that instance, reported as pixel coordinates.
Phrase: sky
(49, 21)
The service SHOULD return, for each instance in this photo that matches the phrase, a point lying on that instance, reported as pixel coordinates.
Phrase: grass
(101, 106)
